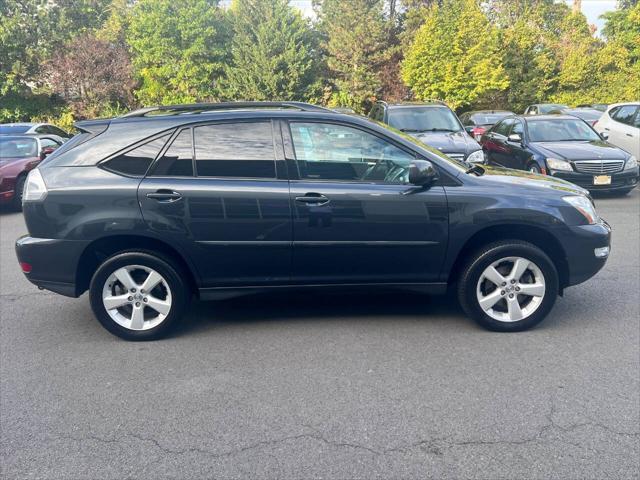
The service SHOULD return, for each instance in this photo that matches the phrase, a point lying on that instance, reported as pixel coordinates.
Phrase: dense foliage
(81, 58)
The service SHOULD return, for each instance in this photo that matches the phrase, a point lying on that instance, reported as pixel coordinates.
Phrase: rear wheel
(508, 286)
(138, 295)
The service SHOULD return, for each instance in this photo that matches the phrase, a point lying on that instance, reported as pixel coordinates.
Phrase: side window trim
(294, 159)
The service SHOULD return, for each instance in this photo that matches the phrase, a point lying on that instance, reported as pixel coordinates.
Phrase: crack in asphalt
(434, 446)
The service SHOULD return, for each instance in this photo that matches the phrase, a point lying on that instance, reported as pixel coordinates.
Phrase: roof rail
(207, 107)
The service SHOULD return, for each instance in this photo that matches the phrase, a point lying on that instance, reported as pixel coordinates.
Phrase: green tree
(178, 49)
(455, 56)
(273, 56)
(355, 44)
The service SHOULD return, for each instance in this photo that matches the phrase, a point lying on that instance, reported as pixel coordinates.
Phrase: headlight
(35, 188)
(476, 157)
(584, 206)
(631, 163)
(555, 164)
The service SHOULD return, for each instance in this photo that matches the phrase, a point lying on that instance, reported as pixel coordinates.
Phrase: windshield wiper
(411, 130)
(475, 168)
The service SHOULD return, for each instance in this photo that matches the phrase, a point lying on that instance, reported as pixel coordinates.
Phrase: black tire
(175, 278)
(534, 168)
(16, 203)
(483, 258)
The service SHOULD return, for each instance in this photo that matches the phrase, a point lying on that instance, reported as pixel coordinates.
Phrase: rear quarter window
(137, 161)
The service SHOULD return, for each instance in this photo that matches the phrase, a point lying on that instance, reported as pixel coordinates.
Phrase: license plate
(602, 180)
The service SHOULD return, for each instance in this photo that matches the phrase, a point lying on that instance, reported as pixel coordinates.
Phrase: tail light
(35, 188)
(26, 267)
(477, 132)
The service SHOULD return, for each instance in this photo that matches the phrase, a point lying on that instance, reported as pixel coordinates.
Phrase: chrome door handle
(313, 199)
(165, 196)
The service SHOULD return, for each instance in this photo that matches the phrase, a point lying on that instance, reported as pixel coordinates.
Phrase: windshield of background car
(18, 147)
(13, 129)
(588, 115)
(424, 119)
(489, 118)
(549, 107)
(453, 162)
(560, 130)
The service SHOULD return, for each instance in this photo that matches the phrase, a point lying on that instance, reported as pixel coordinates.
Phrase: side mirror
(422, 173)
(469, 129)
(46, 151)
(515, 138)
(604, 135)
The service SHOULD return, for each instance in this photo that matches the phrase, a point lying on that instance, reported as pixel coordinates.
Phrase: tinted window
(560, 130)
(336, 152)
(241, 150)
(518, 128)
(626, 114)
(57, 131)
(503, 127)
(177, 161)
(422, 119)
(136, 162)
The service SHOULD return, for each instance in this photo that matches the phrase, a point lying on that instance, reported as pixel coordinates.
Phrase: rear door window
(177, 160)
(626, 114)
(235, 150)
(136, 162)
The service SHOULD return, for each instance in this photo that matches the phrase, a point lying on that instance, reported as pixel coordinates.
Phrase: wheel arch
(535, 235)
(101, 249)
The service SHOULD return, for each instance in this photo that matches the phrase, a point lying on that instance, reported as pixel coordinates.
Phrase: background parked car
(478, 122)
(622, 123)
(589, 115)
(562, 146)
(20, 154)
(596, 106)
(433, 123)
(27, 128)
(543, 108)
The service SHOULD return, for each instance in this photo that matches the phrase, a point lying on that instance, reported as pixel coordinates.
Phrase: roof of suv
(430, 103)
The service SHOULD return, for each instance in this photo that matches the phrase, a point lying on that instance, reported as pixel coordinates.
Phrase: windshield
(18, 147)
(588, 115)
(560, 130)
(550, 106)
(424, 119)
(489, 118)
(9, 129)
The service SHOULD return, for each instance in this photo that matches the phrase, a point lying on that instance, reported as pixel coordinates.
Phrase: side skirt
(221, 293)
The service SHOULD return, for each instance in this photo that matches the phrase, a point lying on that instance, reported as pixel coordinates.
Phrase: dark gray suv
(217, 200)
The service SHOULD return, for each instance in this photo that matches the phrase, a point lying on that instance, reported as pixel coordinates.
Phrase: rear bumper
(581, 243)
(53, 262)
(620, 181)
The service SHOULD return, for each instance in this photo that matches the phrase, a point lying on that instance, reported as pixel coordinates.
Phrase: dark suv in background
(218, 200)
(432, 123)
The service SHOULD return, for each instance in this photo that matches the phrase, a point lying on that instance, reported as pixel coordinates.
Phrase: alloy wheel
(511, 289)
(137, 297)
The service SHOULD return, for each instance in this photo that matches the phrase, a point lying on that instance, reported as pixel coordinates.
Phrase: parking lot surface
(335, 386)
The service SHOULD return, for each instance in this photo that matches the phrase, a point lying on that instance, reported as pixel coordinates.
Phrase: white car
(621, 122)
(31, 128)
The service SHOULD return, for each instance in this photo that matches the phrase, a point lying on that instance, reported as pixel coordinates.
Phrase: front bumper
(580, 243)
(54, 263)
(620, 181)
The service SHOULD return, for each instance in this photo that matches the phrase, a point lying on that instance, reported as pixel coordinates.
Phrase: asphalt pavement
(326, 386)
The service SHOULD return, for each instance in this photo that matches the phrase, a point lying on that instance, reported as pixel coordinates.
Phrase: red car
(18, 155)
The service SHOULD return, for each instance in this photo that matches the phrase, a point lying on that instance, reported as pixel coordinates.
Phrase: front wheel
(534, 168)
(18, 191)
(138, 295)
(508, 286)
